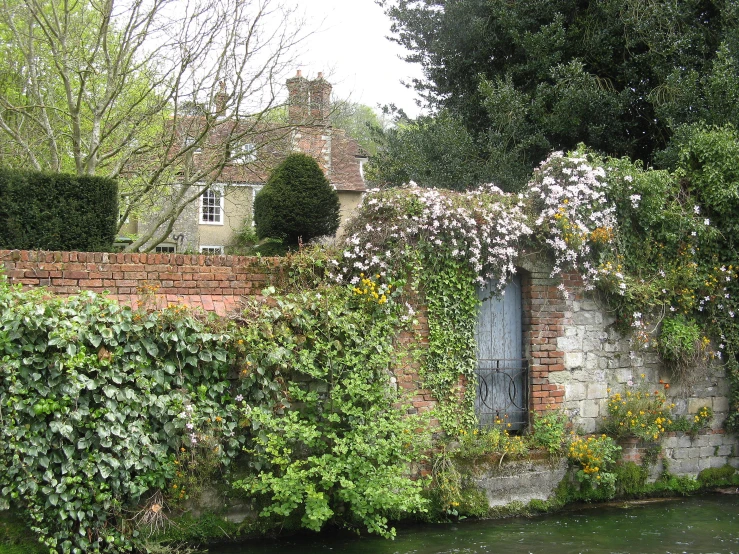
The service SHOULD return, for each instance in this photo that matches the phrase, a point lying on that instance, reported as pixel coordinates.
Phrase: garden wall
(577, 356)
(575, 353)
(214, 283)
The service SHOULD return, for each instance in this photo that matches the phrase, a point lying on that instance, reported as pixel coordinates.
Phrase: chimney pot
(300, 73)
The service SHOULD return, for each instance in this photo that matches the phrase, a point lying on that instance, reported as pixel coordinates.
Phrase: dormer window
(211, 206)
(189, 141)
(244, 153)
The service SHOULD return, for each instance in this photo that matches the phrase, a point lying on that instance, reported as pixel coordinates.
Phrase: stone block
(569, 344)
(684, 442)
(591, 362)
(588, 424)
(720, 404)
(575, 391)
(700, 441)
(687, 467)
(521, 481)
(597, 390)
(725, 450)
(707, 451)
(669, 442)
(695, 404)
(680, 453)
(590, 408)
(715, 440)
(587, 318)
(573, 359)
(717, 461)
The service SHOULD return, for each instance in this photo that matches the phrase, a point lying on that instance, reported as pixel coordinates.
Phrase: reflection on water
(708, 524)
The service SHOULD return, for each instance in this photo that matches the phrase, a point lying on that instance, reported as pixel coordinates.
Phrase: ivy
(91, 394)
(452, 303)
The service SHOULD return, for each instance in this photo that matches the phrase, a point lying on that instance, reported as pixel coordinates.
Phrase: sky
(351, 50)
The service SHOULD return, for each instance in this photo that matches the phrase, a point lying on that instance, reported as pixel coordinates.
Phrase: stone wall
(578, 358)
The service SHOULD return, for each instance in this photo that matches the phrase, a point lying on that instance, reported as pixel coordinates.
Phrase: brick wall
(215, 283)
(544, 321)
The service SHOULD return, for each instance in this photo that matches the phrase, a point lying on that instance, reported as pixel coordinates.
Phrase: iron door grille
(502, 392)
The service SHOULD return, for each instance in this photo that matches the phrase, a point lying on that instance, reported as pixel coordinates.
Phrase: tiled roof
(274, 142)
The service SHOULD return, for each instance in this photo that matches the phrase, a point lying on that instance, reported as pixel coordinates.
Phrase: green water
(708, 524)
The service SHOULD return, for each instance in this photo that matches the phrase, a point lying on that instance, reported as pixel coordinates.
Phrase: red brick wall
(215, 283)
(544, 320)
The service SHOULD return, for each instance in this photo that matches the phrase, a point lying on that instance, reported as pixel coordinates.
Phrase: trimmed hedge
(297, 203)
(56, 211)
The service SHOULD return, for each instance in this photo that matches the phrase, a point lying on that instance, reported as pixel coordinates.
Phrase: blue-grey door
(502, 382)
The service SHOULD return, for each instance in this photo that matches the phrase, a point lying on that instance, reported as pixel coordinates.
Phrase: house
(212, 223)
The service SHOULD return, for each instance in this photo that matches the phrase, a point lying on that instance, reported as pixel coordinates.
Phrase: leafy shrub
(548, 430)
(93, 397)
(297, 203)
(638, 413)
(54, 211)
(596, 457)
(333, 445)
(630, 479)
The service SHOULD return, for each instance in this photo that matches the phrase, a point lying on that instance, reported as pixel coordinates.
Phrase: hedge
(55, 211)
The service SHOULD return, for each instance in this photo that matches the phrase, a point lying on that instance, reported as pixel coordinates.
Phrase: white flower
(239, 398)
(696, 209)
(706, 221)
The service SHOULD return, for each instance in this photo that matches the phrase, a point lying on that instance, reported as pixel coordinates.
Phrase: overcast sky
(353, 53)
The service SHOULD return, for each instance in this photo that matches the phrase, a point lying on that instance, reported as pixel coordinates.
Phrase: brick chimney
(320, 100)
(221, 99)
(298, 99)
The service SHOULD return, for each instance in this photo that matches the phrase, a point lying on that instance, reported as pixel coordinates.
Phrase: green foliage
(692, 424)
(596, 456)
(452, 303)
(717, 476)
(527, 78)
(57, 211)
(342, 452)
(548, 430)
(630, 479)
(430, 151)
(94, 399)
(639, 413)
(360, 122)
(297, 203)
(679, 339)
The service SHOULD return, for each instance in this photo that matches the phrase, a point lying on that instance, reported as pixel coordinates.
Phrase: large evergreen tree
(297, 203)
(528, 77)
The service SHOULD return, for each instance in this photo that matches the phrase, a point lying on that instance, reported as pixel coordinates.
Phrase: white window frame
(189, 141)
(216, 190)
(244, 153)
(212, 250)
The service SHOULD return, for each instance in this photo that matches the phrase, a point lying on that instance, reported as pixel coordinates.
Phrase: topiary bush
(297, 203)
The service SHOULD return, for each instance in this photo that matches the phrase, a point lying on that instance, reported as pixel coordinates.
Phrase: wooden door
(502, 380)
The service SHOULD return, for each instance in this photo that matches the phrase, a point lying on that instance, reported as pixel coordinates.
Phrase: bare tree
(135, 89)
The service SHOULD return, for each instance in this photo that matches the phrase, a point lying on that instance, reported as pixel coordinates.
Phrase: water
(706, 525)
